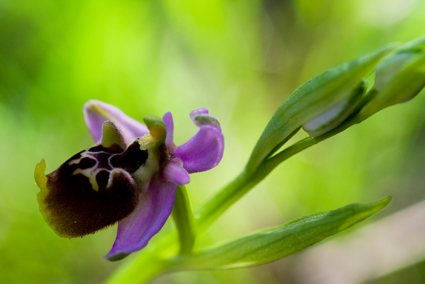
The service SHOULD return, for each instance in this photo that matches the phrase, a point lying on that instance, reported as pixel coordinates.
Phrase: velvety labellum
(93, 189)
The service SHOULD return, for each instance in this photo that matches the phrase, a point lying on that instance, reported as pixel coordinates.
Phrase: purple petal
(174, 172)
(169, 124)
(151, 213)
(198, 111)
(204, 150)
(97, 112)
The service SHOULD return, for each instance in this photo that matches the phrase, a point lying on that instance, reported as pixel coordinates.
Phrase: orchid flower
(130, 176)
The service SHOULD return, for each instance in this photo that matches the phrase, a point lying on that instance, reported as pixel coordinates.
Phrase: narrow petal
(97, 112)
(151, 213)
(174, 172)
(111, 137)
(204, 150)
(169, 124)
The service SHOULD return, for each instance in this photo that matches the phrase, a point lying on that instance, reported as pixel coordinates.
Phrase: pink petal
(204, 150)
(151, 213)
(97, 112)
(169, 124)
(174, 172)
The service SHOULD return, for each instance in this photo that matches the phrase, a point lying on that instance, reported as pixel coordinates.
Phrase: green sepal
(111, 136)
(312, 99)
(399, 77)
(275, 243)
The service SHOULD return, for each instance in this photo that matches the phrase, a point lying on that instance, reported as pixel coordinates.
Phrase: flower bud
(399, 77)
(333, 117)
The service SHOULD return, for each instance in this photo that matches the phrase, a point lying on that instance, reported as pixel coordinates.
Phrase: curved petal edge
(97, 112)
(204, 150)
(150, 215)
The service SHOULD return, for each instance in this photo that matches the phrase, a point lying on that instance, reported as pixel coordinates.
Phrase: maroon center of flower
(94, 189)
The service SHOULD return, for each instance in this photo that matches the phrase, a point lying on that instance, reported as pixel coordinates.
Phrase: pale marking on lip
(77, 161)
(92, 172)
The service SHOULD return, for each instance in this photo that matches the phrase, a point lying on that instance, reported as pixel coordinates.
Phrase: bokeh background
(241, 59)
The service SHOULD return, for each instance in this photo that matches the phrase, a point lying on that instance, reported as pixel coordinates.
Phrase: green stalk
(241, 185)
(219, 203)
(184, 220)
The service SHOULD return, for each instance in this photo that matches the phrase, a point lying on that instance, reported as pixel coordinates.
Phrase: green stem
(219, 203)
(241, 185)
(184, 220)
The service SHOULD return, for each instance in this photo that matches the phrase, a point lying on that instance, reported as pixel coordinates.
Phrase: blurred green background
(240, 59)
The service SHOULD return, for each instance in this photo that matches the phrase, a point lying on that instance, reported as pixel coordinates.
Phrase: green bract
(275, 243)
(315, 97)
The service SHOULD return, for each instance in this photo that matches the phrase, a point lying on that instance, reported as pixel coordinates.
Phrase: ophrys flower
(129, 177)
